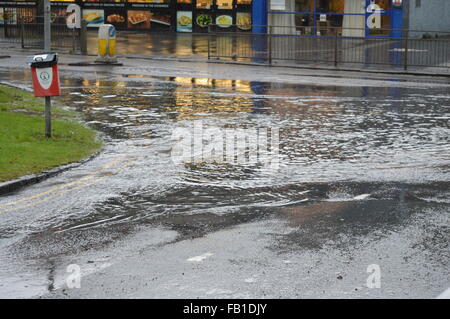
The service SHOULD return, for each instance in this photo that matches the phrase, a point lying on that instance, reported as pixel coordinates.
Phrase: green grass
(15, 100)
(23, 147)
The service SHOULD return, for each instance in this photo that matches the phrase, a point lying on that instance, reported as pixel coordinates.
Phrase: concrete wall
(432, 15)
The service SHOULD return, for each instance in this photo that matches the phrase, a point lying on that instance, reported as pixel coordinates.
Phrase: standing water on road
(337, 146)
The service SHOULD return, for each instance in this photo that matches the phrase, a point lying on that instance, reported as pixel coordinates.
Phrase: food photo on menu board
(94, 0)
(27, 15)
(9, 15)
(139, 19)
(203, 20)
(204, 4)
(160, 20)
(58, 15)
(150, 1)
(224, 21)
(116, 18)
(94, 18)
(2, 19)
(225, 4)
(244, 21)
(184, 21)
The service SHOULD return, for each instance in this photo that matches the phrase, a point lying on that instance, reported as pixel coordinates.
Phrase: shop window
(304, 5)
(304, 23)
(333, 6)
(384, 4)
(385, 27)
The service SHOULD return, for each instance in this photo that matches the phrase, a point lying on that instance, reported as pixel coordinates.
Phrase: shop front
(355, 18)
(147, 15)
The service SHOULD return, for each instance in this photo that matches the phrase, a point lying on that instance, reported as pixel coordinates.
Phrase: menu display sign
(225, 4)
(204, 4)
(118, 18)
(9, 16)
(94, 18)
(139, 19)
(18, 4)
(184, 21)
(244, 21)
(179, 15)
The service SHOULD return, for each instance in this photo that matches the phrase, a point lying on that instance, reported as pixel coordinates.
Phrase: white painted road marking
(200, 258)
(361, 197)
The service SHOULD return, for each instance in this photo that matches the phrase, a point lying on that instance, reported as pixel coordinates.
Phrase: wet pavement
(363, 179)
(155, 44)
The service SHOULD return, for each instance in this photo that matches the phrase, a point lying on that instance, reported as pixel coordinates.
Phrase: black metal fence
(287, 45)
(28, 32)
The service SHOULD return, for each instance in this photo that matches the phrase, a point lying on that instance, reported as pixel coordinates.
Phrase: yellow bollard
(112, 47)
(107, 44)
(102, 47)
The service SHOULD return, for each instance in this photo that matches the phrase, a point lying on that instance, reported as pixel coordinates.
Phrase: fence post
(73, 41)
(335, 48)
(405, 57)
(5, 25)
(209, 42)
(22, 31)
(269, 46)
(83, 37)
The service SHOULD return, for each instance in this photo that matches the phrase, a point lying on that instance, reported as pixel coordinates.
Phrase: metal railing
(335, 46)
(28, 32)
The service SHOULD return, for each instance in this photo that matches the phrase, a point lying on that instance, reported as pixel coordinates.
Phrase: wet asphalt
(363, 179)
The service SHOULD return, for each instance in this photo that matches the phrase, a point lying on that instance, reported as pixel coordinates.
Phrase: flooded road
(357, 166)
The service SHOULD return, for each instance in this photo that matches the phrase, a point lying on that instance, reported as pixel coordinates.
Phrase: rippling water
(326, 135)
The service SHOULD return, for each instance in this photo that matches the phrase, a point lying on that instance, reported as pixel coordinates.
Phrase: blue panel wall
(397, 22)
(259, 16)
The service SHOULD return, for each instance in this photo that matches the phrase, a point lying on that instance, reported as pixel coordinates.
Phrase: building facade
(428, 15)
(356, 18)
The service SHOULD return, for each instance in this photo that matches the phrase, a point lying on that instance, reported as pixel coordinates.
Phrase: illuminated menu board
(204, 4)
(225, 4)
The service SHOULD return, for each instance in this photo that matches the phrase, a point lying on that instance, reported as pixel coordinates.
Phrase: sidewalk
(194, 47)
(146, 66)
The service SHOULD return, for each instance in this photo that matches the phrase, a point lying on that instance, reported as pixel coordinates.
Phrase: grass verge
(23, 147)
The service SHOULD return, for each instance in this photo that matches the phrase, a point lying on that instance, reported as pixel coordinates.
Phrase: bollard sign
(73, 21)
(397, 3)
(44, 72)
